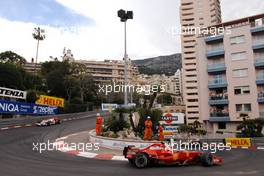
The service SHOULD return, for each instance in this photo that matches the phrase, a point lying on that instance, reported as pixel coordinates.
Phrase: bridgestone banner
(12, 93)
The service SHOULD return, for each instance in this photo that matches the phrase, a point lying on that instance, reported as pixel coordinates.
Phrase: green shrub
(251, 128)
(116, 125)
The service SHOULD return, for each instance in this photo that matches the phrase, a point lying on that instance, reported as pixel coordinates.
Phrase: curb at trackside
(60, 145)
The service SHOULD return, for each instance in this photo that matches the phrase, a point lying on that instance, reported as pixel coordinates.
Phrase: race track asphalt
(17, 157)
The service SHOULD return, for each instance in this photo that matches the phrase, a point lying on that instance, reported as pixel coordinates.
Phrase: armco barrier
(34, 119)
(258, 142)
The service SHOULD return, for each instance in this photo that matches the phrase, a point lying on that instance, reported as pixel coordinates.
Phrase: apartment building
(31, 67)
(231, 74)
(194, 14)
(107, 71)
(173, 84)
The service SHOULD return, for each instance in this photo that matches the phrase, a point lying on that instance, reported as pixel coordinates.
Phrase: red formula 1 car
(160, 154)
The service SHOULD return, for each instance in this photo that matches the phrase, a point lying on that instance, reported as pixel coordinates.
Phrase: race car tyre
(131, 161)
(206, 159)
(141, 160)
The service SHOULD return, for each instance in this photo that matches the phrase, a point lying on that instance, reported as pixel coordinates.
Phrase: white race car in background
(48, 122)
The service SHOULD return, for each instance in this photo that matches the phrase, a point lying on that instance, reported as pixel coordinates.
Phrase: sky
(92, 30)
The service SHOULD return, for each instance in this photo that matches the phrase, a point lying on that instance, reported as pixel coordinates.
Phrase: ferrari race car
(48, 122)
(160, 154)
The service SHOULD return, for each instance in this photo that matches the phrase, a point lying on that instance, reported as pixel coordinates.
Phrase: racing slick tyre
(141, 160)
(206, 159)
(131, 161)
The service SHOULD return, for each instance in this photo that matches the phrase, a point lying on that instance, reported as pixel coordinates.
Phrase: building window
(238, 56)
(243, 107)
(240, 90)
(221, 125)
(240, 73)
(237, 40)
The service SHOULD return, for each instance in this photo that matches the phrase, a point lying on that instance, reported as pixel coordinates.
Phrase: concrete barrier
(118, 144)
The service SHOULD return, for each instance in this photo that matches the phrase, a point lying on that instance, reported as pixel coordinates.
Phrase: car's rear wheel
(207, 159)
(141, 160)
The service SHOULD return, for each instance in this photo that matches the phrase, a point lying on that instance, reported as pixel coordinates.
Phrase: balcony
(257, 29)
(258, 44)
(214, 38)
(261, 97)
(217, 83)
(219, 117)
(215, 52)
(259, 62)
(216, 68)
(218, 100)
(260, 79)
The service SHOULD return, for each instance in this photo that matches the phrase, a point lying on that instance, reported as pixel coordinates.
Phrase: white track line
(87, 154)
(119, 158)
(261, 148)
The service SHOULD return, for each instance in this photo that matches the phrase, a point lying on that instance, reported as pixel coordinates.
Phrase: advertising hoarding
(170, 123)
(26, 108)
(50, 101)
(12, 93)
(238, 142)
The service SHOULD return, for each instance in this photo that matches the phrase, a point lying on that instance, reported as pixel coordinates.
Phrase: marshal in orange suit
(161, 134)
(98, 126)
(148, 129)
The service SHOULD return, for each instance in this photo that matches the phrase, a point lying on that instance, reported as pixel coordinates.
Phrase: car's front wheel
(141, 160)
(131, 161)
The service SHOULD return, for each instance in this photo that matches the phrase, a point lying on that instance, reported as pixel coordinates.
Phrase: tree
(10, 76)
(251, 127)
(55, 83)
(31, 81)
(86, 83)
(62, 67)
(31, 96)
(71, 85)
(164, 99)
(54, 74)
(12, 58)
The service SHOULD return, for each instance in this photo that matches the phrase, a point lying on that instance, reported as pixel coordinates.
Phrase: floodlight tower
(124, 16)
